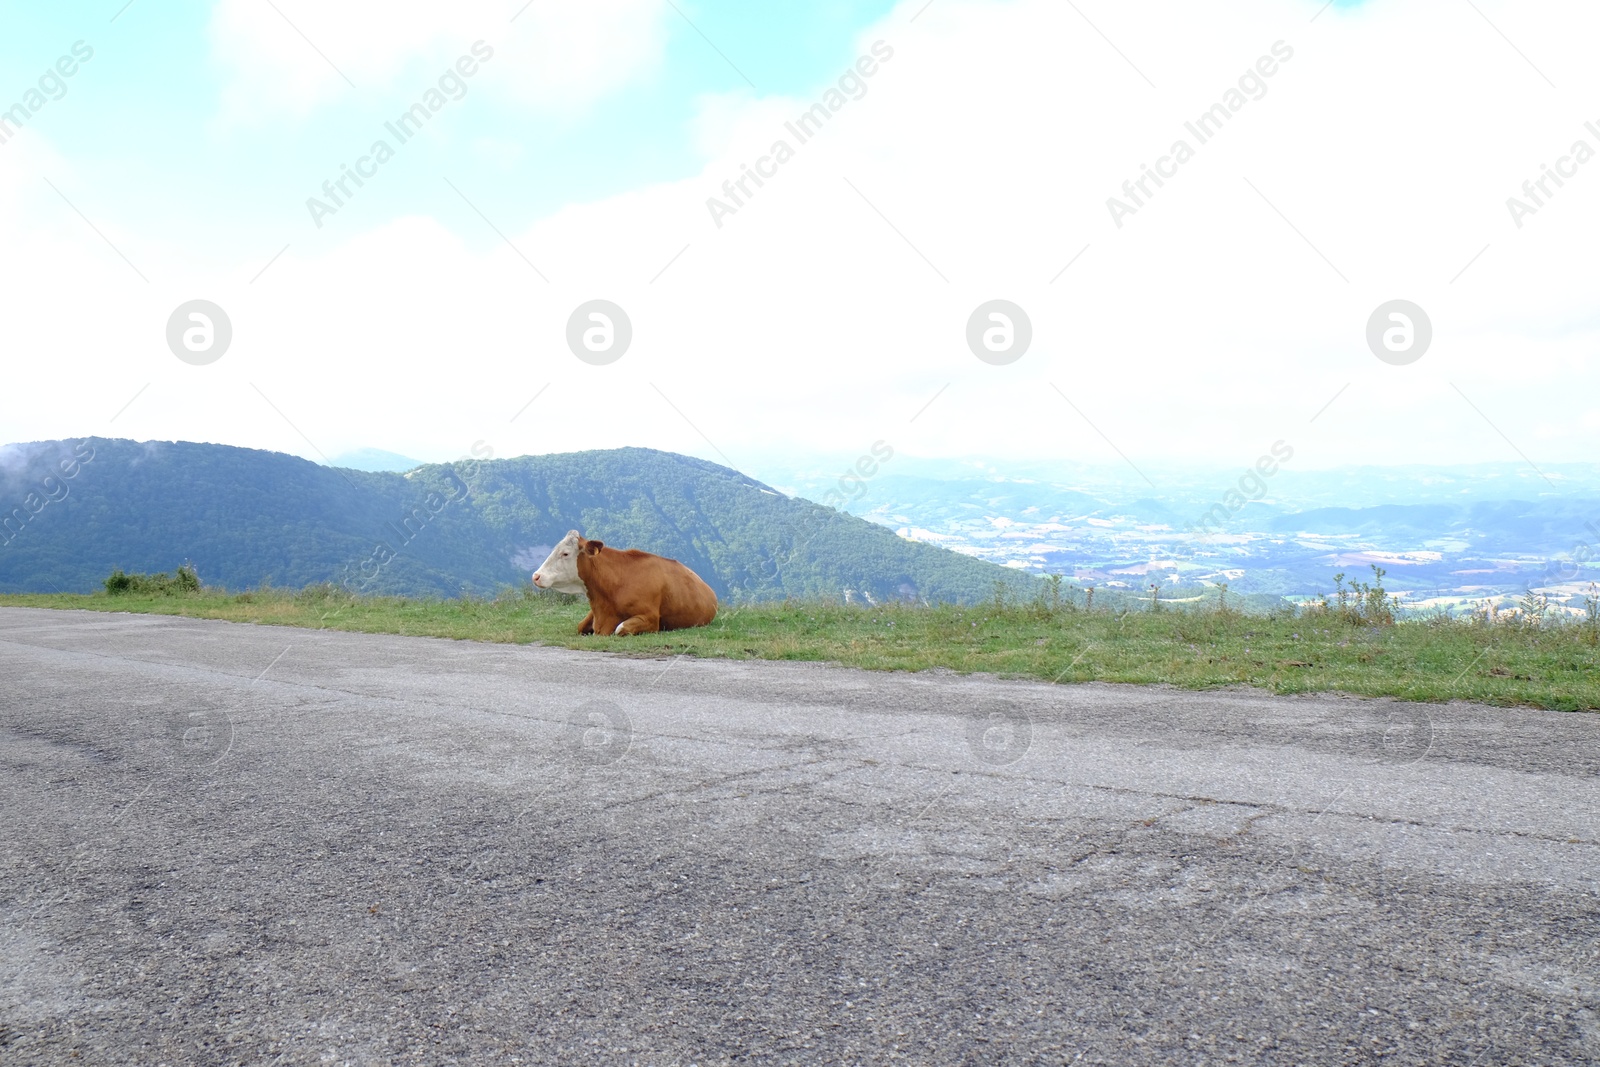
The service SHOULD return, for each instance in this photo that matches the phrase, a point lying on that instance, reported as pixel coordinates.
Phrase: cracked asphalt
(240, 844)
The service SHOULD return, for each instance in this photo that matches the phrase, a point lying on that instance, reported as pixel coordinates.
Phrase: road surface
(241, 844)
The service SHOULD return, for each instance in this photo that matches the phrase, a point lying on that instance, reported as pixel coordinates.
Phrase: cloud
(829, 311)
(289, 58)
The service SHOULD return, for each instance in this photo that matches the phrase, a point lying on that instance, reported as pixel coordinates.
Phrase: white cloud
(289, 57)
(815, 321)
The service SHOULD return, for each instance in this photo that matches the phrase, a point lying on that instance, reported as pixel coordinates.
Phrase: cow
(629, 591)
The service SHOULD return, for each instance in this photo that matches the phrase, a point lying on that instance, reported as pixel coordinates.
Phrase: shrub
(1361, 604)
(1534, 608)
(180, 582)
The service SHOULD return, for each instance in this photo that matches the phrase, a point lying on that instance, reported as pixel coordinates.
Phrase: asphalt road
(240, 844)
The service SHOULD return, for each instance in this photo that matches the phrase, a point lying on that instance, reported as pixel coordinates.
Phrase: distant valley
(1446, 536)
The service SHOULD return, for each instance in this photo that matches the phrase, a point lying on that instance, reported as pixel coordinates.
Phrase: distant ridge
(374, 459)
(244, 516)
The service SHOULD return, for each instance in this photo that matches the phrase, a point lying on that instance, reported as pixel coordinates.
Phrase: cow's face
(560, 570)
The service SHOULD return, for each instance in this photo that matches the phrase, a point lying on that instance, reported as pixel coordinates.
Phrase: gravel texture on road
(247, 844)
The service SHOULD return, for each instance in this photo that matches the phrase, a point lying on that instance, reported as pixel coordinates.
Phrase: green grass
(1554, 667)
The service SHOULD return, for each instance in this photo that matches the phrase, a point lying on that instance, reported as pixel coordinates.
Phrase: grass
(1351, 646)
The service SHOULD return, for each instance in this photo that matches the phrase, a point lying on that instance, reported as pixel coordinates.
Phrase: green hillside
(244, 517)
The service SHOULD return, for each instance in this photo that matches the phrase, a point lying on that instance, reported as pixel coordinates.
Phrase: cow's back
(686, 599)
(623, 583)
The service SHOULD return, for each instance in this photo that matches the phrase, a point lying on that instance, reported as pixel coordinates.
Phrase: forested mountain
(71, 511)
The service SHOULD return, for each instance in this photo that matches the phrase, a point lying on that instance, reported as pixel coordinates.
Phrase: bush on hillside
(183, 580)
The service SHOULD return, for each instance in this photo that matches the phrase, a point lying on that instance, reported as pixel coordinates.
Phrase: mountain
(1446, 536)
(374, 459)
(76, 510)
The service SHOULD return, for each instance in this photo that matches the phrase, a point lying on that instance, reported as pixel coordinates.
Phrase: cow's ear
(592, 548)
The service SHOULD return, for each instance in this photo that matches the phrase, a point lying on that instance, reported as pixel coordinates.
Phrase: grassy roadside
(1554, 667)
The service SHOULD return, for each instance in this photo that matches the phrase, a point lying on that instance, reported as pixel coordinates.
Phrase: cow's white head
(559, 571)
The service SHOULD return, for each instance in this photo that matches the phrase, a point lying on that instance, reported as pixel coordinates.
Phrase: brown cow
(629, 591)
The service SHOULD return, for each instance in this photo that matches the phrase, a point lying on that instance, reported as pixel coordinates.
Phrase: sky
(957, 154)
